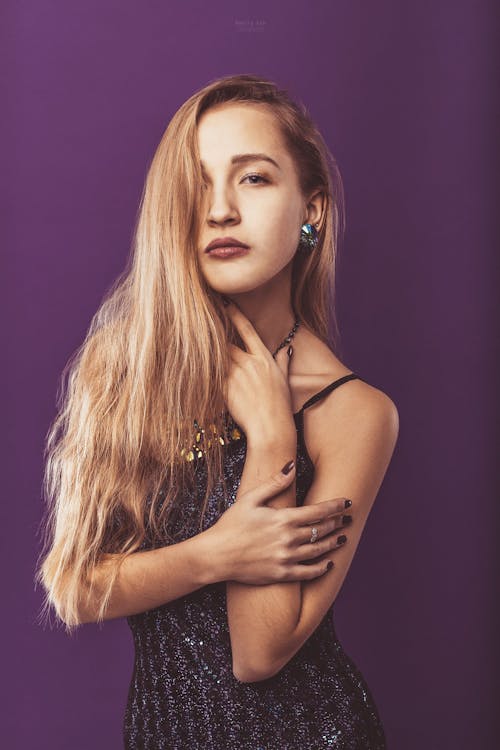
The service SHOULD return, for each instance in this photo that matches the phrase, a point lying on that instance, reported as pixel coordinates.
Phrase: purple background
(402, 93)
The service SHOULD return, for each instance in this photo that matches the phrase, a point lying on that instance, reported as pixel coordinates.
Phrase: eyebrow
(244, 158)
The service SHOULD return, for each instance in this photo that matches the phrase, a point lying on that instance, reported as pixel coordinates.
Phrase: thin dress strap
(328, 389)
(299, 416)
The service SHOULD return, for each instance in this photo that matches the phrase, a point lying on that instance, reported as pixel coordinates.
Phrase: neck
(269, 310)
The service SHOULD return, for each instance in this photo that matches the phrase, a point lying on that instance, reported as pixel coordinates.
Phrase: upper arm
(359, 429)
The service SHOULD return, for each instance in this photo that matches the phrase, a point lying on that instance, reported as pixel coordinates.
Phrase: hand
(258, 389)
(258, 544)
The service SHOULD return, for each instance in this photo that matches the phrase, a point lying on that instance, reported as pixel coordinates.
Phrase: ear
(315, 206)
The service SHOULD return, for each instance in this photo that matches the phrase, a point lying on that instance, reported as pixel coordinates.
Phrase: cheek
(289, 230)
(277, 218)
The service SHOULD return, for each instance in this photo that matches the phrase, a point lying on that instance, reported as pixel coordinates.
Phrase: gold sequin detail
(183, 693)
(201, 443)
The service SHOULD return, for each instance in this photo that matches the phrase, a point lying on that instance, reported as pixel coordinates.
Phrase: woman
(167, 503)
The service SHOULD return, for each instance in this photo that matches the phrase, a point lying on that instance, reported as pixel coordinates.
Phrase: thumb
(270, 487)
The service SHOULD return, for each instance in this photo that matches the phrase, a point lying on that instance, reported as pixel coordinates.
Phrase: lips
(228, 252)
(224, 242)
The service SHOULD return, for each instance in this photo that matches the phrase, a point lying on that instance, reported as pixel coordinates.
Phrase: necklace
(202, 443)
(289, 337)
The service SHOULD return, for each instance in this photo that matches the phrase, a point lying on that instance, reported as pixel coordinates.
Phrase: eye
(255, 176)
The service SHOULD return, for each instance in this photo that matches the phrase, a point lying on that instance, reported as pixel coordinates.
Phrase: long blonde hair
(156, 357)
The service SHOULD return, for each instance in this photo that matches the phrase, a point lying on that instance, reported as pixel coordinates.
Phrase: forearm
(261, 617)
(150, 578)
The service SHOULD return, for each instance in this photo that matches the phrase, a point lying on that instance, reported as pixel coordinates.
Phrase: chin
(233, 290)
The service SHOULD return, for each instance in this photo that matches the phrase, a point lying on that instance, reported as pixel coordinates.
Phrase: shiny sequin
(202, 444)
(183, 694)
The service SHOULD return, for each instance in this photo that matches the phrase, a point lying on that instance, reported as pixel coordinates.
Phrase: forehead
(239, 128)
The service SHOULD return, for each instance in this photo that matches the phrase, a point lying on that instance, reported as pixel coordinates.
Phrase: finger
(269, 488)
(298, 572)
(307, 535)
(324, 546)
(237, 353)
(317, 512)
(282, 359)
(250, 337)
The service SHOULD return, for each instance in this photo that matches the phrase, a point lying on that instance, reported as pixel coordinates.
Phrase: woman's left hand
(258, 391)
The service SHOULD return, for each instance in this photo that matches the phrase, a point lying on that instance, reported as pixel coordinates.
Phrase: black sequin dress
(183, 694)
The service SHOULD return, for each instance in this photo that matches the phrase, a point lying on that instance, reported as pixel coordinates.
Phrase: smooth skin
(274, 603)
(269, 551)
(350, 434)
(282, 536)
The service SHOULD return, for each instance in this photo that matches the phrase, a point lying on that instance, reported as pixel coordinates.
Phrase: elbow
(84, 617)
(254, 672)
(257, 664)
(73, 614)
(248, 675)
(75, 609)
(69, 617)
(67, 593)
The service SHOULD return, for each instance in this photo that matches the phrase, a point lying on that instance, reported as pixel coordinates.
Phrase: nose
(221, 207)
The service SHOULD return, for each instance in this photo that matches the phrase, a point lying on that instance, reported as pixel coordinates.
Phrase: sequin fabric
(183, 694)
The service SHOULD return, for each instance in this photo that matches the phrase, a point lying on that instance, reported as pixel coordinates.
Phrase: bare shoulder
(357, 407)
(352, 440)
(355, 410)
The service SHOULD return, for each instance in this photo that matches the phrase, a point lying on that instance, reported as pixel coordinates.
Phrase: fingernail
(342, 539)
(288, 467)
(346, 520)
(347, 503)
(330, 565)
(225, 300)
(289, 351)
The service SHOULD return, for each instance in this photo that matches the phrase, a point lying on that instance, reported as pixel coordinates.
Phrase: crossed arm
(268, 624)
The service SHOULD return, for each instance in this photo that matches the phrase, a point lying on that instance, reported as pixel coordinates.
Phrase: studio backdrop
(403, 94)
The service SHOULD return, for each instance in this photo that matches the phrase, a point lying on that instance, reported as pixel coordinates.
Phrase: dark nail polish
(225, 300)
(288, 467)
(347, 503)
(342, 539)
(346, 520)
(289, 351)
(330, 565)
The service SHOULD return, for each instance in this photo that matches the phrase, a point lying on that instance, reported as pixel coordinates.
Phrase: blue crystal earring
(308, 237)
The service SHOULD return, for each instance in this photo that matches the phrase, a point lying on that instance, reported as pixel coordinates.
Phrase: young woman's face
(251, 200)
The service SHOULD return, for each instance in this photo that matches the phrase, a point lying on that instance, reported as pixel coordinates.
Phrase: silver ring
(314, 534)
